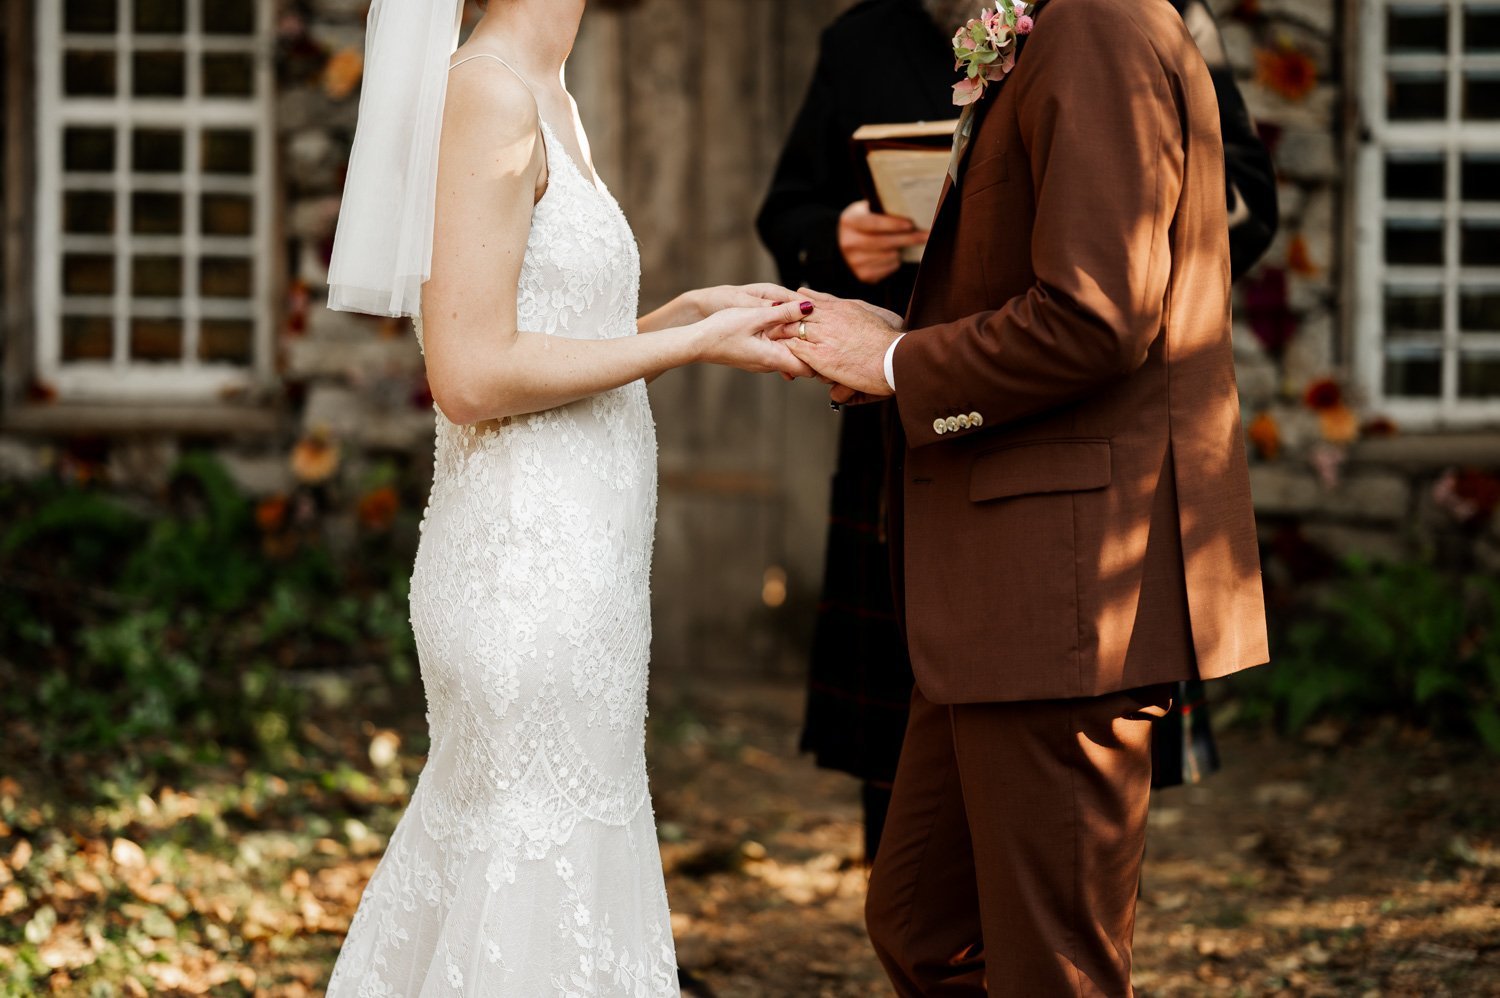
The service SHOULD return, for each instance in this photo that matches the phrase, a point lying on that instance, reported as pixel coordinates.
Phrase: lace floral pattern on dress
(530, 604)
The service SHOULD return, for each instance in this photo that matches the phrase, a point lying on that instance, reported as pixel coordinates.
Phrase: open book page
(909, 183)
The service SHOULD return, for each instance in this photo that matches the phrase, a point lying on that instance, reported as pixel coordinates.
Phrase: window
(1428, 269)
(153, 221)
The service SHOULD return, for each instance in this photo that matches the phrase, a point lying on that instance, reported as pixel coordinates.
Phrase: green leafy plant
(1401, 639)
(123, 620)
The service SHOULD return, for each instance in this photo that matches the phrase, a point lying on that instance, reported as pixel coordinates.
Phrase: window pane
(225, 277)
(91, 16)
(160, 74)
(89, 150)
(88, 73)
(1481, 177)
(155, 213)
(1414, 242)
(1417, 96)
(229, 340)
(1415, 177)
(154, 150)
(155, 339)
(227, 214)
(1481, 244)
(1479, 375)
(87, 337)
(228, 151)
(1417, 29)
(88, 274)
(1482, 96)
(160, 16)
(229, 17)
(1481, 28)
(89, 212)
(1413, 310)
(228, 74)
(156, 276)
(1414, 372)
(1479, 310)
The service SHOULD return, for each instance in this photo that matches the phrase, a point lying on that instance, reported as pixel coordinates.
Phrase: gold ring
(802, 330)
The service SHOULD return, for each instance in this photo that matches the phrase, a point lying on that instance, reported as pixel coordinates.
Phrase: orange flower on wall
(342, 73)
(1339, 424)
(1299, 259)
(1288, 72)
(315, 459)
(1265, 436)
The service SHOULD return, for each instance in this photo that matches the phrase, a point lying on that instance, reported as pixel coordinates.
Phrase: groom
(1071, 520)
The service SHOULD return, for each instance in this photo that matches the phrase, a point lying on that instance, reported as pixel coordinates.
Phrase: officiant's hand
(872, 243)
(845, 342)
(743, 337)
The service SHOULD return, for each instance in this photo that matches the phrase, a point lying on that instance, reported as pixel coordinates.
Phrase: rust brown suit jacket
(1071, 464)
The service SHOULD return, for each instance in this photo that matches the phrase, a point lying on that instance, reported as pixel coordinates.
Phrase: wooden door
(687, 103)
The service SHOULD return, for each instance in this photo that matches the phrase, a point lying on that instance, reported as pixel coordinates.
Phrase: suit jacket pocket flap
(1043, 466)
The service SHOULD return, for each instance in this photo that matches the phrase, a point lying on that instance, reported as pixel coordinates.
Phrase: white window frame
(1451, 138)
(119, 379)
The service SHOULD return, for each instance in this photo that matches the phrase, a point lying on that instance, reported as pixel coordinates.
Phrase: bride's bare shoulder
(488, 99)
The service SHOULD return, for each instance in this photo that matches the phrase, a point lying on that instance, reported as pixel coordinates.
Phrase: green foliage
(122, 620)
(1404, 640)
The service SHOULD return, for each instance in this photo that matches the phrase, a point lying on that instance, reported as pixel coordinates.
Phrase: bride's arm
(691, 306)
(480, 365)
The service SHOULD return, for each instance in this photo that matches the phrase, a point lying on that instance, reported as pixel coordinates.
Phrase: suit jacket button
(939, 426)
(976, 420)
(952, 423)
(963, 421)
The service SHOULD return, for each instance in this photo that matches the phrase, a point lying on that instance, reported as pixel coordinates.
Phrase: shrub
(1402, 640)
(122, 620)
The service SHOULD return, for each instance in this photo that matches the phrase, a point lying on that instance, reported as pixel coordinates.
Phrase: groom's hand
(845, 342)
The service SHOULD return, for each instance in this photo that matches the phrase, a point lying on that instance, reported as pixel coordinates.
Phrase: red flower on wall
(1323, 395)
(1468, 494)
(377, 508)
(1288, 72)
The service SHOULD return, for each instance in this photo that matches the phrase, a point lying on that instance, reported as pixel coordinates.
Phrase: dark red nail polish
(807, 308)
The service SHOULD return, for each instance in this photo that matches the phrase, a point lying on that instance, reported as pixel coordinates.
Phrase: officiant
(891, 61)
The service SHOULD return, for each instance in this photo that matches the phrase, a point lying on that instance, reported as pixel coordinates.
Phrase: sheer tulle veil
(382, 250)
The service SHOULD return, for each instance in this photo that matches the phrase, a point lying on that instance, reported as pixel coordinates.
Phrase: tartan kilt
(859, 677)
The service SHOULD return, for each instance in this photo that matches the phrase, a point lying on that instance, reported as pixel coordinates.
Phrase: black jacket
(884, 61)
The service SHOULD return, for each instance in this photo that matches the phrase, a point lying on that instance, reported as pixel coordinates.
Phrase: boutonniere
(985, 48)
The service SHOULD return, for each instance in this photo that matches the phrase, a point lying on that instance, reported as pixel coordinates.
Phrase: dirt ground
(1307, 867)
(1300, 869)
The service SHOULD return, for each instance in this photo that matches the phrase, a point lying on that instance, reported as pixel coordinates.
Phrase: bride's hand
(736, 336)
(707, 301)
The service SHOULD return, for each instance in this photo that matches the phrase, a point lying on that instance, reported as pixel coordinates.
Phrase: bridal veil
(382, 250)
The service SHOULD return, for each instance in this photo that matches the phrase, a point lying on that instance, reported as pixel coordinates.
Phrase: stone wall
(1331, 477)
(746, 461)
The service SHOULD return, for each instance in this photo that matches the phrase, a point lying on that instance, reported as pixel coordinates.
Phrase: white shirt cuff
(890, 363)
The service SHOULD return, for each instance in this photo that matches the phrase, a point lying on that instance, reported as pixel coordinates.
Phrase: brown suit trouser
(1012, 853)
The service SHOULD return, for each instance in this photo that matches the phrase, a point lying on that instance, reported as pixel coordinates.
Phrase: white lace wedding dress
(527, 863)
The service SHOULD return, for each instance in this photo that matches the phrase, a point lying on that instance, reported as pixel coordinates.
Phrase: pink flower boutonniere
(985, 48)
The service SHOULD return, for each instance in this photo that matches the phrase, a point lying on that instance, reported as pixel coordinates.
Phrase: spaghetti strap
(487, 55)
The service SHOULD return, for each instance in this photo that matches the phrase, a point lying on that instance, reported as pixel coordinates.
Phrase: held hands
(872, 243)
(844, 342)
(739, 333)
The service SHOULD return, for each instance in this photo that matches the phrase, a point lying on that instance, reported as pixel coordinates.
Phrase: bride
(527, 863)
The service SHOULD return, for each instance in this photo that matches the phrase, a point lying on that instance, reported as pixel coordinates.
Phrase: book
(902, 169)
